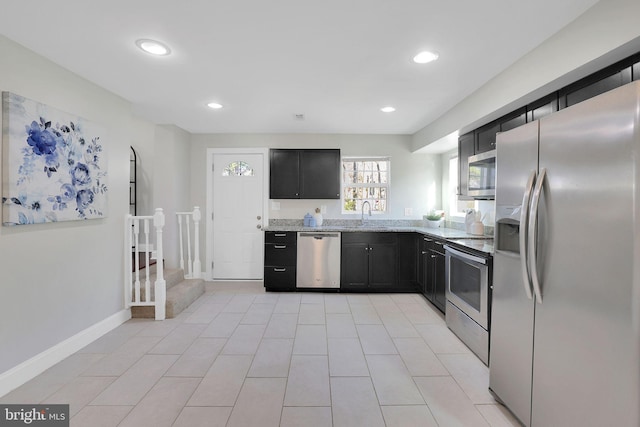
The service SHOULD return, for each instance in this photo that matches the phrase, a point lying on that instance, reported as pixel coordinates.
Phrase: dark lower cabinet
(369, 262)
(280, 254)
(438, 276)
(431, 265)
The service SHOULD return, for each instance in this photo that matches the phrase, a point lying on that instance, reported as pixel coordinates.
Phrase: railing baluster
(180, 242)
(197, 267)
(136, 235)
(160, 286)
(193, 267)
(189, 246)
(147, 283)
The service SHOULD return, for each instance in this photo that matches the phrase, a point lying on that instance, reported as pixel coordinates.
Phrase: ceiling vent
(298, 116)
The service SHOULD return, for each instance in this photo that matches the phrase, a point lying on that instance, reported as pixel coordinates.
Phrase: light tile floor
(241, 357)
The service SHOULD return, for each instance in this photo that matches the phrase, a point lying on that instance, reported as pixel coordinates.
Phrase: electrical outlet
(275, 206)
(408, 211)
(323, 209)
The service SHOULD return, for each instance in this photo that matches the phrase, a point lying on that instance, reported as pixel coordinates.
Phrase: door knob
(258, 226)
(258, 217)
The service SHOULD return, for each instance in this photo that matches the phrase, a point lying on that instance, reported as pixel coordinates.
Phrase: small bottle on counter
(306, 222)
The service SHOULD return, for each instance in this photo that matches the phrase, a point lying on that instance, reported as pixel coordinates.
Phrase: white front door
(238, 199)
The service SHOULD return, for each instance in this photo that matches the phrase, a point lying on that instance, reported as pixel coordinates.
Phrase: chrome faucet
(366, 202)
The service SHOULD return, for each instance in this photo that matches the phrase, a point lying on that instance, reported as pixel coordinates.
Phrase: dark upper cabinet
(304, 174)
(542, 107)
(466, 149)
(320, 174)
(594, 85)
(513, 120)
(284, 174)
(636, 71)
(486, 137)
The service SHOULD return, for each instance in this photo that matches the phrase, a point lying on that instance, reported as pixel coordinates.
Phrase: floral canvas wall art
(55, 164)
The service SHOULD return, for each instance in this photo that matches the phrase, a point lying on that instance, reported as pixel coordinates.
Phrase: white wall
(604, 34)
(414, 177)
(143, 136)
(414, 180)
(171, 183)
(59, 279)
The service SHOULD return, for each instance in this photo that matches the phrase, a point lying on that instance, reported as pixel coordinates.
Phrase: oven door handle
(465, 255)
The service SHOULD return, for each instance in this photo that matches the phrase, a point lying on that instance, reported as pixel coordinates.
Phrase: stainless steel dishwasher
(318, 264)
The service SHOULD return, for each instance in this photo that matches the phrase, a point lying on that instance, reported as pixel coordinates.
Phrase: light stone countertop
(459, 237)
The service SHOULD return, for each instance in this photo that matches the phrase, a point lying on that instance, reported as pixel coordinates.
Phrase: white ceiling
(335, 61)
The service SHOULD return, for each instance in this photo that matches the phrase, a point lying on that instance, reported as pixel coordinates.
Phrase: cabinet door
(466, 148)
(383, 264)
(280, 278)
(407, 262)
(542, 107)
(320, 174)
(518, 118)
(594, 86)
(423, 263)
(284, 172)
(354, 266)
(486, 137)
(439, 284)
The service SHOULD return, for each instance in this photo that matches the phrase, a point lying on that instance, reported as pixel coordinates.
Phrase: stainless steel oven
(468, 277)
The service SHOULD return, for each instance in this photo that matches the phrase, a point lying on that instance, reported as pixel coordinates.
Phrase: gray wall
(604, 34)
(415, 178)
(58, 279)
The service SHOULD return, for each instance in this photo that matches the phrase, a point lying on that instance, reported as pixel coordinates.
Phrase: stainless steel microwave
(482, 175)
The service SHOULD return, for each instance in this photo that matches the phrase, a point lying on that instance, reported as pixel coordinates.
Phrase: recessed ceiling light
(214, 105)
(387, 109)
(425, 56)
(153, 47)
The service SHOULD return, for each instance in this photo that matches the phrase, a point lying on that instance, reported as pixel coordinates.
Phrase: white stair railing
(194, 267)
(133, 295)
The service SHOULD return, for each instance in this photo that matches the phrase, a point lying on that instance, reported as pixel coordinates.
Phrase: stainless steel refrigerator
(565, 325)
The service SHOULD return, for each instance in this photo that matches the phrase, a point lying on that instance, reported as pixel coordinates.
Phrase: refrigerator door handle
(524, 211)
(533, 235)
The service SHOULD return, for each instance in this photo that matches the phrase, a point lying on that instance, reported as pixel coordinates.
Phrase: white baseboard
(27, 370)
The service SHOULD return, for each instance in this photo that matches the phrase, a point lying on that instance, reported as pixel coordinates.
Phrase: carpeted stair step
(181, 293)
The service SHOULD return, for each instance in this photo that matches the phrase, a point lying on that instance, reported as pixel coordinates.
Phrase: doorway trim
(211, 152)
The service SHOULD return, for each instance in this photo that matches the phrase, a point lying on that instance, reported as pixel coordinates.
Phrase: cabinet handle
(280, 234)
(428, 240)
(439, 243)
(433, 256)
(279, 246)
(279, 270)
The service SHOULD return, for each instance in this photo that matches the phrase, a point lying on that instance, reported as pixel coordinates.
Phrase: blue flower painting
(55, 165)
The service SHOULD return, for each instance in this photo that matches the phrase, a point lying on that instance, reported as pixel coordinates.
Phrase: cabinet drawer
(280, 277)
(369, 237)
(279, 254)
(280, 237)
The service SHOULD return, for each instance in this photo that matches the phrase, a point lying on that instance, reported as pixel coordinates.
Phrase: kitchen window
(365, 179)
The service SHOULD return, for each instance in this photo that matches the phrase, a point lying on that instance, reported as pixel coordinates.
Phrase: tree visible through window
(365, 179)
